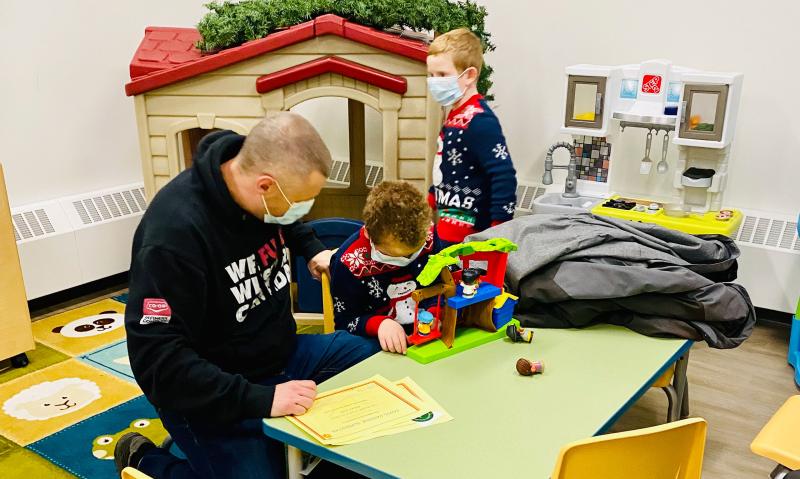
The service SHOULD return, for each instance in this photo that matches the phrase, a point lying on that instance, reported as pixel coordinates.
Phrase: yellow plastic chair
(313, 319)
(779, 439)
(327, 304)
(131, 473)
(670, 451)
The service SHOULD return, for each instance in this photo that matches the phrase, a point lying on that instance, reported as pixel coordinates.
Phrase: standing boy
(474, 182)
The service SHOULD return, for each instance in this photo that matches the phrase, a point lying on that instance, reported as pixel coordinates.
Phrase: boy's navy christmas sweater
(366, 292)
(474, 181)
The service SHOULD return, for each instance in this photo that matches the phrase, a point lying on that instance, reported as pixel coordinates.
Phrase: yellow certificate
(434, 414)
(358, 408)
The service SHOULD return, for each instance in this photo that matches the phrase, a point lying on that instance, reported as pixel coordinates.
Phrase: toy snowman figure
(470, 280)
(403, 307)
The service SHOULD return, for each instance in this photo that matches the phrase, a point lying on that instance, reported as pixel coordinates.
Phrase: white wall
(536, 40)
(66, 125)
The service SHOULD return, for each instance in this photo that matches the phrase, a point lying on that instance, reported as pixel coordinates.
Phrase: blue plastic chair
(332, 232)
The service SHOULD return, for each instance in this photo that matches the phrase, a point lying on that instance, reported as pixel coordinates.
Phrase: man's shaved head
(285, 142)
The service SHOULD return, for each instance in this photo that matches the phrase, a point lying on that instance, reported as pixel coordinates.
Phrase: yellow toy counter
(725, 222)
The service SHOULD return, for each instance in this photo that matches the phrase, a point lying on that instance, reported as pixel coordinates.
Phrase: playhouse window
(353, 134)
(187, 144)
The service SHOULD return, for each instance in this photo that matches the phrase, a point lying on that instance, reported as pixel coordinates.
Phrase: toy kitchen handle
(683, 111)
(598, 103)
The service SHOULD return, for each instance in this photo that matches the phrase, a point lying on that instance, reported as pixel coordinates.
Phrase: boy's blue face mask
(294, 213)
(445, 90)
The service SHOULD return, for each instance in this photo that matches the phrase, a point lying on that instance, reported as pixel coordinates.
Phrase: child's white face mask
(445, 90)
(399, 261)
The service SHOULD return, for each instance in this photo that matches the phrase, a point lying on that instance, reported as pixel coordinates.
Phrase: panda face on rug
(92, 325)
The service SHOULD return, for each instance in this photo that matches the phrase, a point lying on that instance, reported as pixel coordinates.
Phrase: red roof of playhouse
(168, 55)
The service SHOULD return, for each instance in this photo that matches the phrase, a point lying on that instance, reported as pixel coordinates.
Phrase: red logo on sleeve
(155, 310)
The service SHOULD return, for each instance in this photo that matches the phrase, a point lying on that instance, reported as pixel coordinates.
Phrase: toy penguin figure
(403, 307)
(470, 280)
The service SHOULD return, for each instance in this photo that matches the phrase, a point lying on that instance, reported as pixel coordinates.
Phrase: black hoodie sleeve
(164, 362)
(302, 241)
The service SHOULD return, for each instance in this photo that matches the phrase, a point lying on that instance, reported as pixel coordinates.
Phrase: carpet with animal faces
(92, 441)
(83, 329)
(61, 415)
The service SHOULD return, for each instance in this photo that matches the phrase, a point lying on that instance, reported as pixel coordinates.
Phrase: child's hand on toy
(293, 398)
(392, 337)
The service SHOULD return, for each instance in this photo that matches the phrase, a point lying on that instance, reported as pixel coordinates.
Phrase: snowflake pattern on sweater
(364, 288)
(474, 181)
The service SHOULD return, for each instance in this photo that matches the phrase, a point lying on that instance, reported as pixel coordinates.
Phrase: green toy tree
(228, 24)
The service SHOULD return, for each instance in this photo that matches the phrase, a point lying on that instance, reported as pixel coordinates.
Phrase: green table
(505, 425)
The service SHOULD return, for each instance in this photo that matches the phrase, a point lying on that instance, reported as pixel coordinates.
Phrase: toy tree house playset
(471, 298)
(693, 110)
(181, 94)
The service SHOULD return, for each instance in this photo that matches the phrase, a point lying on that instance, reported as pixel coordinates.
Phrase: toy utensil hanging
(662, 165)
(646, 165)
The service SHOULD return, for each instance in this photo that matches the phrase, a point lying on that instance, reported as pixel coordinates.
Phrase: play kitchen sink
(556, 203)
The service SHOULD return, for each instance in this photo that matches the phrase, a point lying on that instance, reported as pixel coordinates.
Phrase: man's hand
(320, 264)
(293, 398)
(392, 337)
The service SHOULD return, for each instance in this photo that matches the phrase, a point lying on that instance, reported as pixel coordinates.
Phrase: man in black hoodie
(211, 338)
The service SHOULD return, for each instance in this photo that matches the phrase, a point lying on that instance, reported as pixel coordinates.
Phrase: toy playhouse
(694, 110)
(181, 94)
(471, 297)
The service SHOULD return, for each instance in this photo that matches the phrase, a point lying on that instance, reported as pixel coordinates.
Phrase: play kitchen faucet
(570, 185)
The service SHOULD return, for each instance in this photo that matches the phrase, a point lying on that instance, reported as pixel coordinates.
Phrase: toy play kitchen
(667, 105)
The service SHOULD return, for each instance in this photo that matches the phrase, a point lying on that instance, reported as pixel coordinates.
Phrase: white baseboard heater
(71, 241)
(74, 240)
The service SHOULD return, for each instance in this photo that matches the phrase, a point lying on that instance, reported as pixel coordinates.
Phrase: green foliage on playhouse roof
(228, 24)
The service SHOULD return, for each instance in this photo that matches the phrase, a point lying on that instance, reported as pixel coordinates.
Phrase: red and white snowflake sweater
(366, 292)
(474, 181)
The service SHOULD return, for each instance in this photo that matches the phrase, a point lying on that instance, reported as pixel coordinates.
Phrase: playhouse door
(344, 196)
(187, 145)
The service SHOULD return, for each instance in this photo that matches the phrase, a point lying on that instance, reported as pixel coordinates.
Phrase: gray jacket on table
(577, 270)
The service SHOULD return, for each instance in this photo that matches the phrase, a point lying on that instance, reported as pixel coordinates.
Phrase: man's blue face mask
(294, 213)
